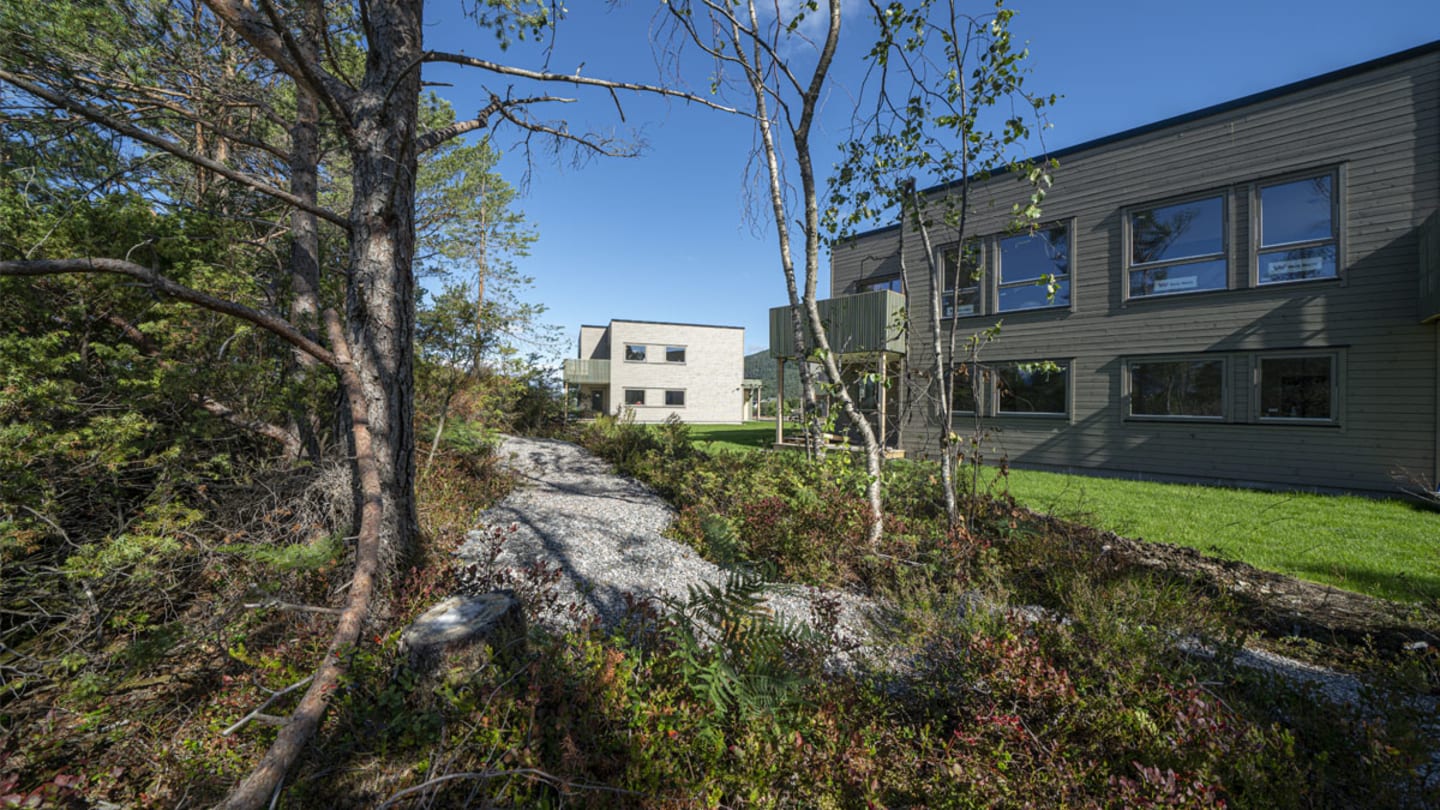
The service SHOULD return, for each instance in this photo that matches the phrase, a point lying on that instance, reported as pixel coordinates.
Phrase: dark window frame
(680, 391)
(1336, 240)
(1128, 393)
(997, 399)
(633, 356)
(1225, 254)
(976, 288)
(1067, 279)
(869, 284)
(1336, 400)
(626, 398)
(683, 355)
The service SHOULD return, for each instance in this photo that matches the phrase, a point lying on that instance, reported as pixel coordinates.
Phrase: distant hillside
(761, 366)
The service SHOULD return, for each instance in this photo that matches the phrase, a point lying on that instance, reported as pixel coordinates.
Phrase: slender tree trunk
(304, 309)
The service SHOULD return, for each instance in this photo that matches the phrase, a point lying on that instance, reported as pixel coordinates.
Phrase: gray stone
(458, 623)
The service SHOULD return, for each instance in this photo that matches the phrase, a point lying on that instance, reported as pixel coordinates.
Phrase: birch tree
(782, 95)
(946, 103)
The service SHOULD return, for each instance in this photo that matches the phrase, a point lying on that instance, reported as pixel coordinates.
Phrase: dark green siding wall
(1381, 130)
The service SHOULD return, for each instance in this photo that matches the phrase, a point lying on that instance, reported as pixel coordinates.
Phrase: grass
(749, 436)
(1385, 548)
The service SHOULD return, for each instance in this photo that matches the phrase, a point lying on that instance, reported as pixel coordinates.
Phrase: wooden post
(779, 400)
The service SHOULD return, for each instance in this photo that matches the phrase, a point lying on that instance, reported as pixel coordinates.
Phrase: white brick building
(658, 369)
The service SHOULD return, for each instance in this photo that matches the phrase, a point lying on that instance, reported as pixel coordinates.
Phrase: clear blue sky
(666, 236)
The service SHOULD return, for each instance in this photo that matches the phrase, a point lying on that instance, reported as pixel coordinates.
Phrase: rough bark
(380, 299)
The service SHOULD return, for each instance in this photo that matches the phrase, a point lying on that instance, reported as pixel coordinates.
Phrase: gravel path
(604, 531)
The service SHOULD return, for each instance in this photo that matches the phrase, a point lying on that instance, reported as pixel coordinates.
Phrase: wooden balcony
(864, 323)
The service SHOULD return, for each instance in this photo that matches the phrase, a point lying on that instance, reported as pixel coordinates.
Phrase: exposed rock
(459, 623)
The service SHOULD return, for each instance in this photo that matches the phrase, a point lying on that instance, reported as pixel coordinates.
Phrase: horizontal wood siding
(1380, 131)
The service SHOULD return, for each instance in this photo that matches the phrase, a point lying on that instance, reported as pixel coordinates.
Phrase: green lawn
(749, 436)
(1385, 548)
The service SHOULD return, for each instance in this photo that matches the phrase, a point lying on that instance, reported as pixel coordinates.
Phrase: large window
(674, 354)
(1297, 230)
(634, 396)
(1031, 265)
(635, 352)
(1178, 248)
(962, 273)
(1035, 388)
(1177, 388)
(1298, 388)
(675, 399)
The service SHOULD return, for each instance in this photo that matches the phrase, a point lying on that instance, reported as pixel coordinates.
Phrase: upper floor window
(635, 352)
(961, 269)
(1178, 248)
(892, 284)
(1027, 262)
(1297, 230)
(674, 354)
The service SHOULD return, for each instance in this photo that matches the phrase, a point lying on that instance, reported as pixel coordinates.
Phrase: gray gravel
(604, 531)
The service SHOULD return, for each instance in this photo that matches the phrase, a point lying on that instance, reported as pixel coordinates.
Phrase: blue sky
(666, 236)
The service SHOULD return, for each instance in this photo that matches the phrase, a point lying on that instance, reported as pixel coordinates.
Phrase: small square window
(634, 396)
(635, 352)
(1297, 388)
(674, 354)
(1297, 230)
(1031, 265)
(675, 399)
(1178, 248)
(1037, 388)
(961, 277)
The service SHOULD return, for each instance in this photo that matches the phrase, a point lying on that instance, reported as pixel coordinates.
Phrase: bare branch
(571, 78)
(436, 137)
(258, 713)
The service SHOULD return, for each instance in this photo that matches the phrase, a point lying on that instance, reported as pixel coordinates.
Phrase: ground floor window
(675, 399)
(1181, 388)
(1297, 388)
(634, 396)
(1039, 387)
(968, 381)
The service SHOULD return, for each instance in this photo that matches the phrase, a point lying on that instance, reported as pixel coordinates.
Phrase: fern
(735, 655)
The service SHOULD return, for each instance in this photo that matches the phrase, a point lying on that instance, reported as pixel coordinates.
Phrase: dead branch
(572, 78)
(257, 713)
(277, 604)
(528, 773)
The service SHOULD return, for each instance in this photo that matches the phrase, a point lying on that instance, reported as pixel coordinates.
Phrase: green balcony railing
(863, 323)
(589, 372)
